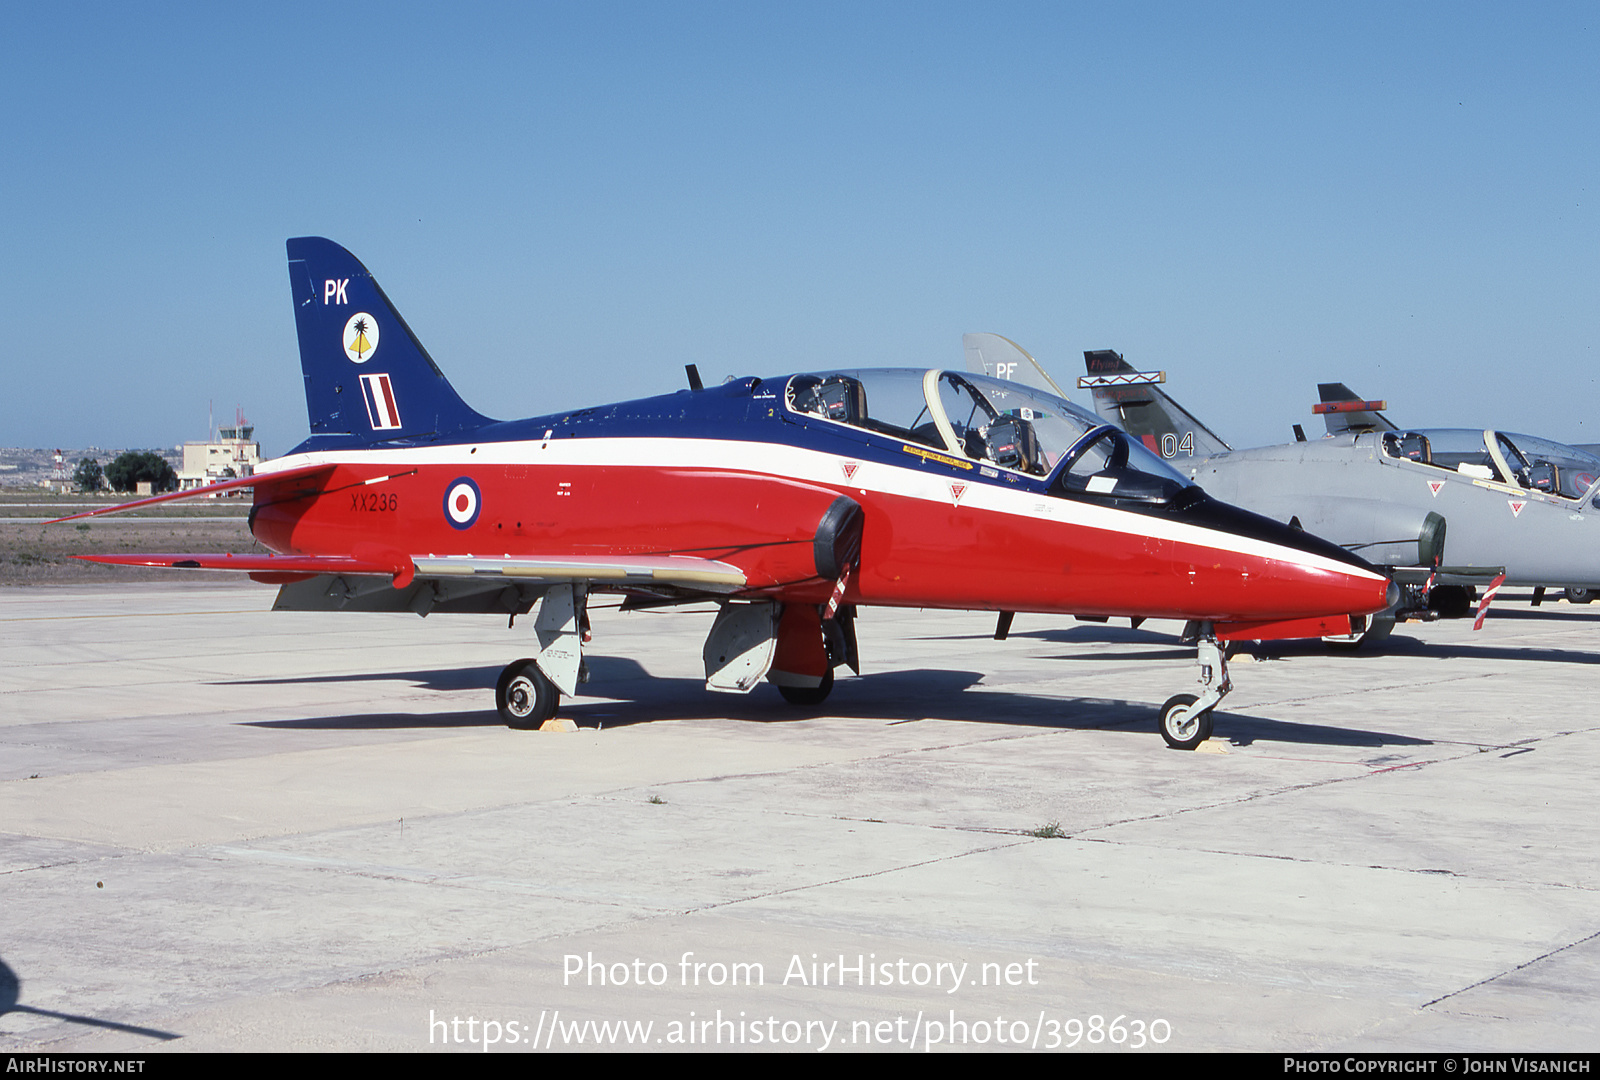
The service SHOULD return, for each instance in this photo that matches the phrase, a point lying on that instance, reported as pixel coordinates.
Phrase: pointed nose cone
(1265, 570)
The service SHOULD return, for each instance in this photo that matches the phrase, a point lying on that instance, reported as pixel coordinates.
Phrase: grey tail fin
(1343, 411)
(1001, 358)
(1135, 401)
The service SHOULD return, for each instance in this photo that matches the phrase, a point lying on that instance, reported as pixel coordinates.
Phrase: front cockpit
(998, 424)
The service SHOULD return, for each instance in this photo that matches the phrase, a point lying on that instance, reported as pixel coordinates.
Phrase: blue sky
(569, 202)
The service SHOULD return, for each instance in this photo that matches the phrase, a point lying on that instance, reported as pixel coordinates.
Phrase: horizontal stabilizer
(271, 568)
(260, 480)
(1446, 575)
(680, 571)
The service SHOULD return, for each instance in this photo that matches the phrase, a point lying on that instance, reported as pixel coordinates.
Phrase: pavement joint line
(1274, 793)
(863, 876)
(409, 875)
(1362, 690)
(124, 615)
(1301, 860)
(1310, 785)
(1513, 970)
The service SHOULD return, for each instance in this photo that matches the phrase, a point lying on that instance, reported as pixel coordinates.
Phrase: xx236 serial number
(374, 501)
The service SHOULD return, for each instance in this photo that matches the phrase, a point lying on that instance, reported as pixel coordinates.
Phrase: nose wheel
(525, 696)
(1182, 725)
(1186, 718)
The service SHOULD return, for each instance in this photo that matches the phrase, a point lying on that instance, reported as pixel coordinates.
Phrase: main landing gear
(1186, 718)
(808, 695)
(529, 689)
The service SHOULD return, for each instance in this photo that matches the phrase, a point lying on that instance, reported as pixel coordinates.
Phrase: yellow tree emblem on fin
(360, 346)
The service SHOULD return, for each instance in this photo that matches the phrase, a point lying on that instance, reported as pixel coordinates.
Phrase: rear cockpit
(1500, 457)
(998, 424)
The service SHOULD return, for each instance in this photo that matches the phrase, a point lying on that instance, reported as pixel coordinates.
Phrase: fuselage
(736, 473)
(1349, 490)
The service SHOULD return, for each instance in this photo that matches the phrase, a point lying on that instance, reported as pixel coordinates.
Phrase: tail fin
(1135, 401)
(1343, 411)
(368, 378)
(1002, 358)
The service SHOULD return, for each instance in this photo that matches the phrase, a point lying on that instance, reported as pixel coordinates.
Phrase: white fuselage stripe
(811, 466)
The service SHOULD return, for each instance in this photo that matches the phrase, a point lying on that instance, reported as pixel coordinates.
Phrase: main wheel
(809, 695)
(1181, 726)
(1580, 596)
(525, 697)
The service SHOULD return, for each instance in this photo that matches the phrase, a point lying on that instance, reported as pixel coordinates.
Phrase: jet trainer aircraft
(789, 501)
(1515, 505)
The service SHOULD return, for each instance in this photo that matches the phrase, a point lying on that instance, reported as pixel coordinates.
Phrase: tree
(88, 476)
(134, 466)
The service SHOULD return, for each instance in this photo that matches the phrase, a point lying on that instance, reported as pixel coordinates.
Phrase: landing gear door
(739, 650)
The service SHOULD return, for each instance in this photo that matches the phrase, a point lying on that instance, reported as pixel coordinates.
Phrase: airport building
(234, 452)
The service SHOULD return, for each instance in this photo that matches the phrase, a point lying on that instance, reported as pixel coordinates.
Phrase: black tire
(809, 695)
(1580, 596)
(525, 697)
(1187, 731)
(1451, 601)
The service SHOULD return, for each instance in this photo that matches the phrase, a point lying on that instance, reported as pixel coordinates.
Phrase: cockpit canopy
(1525, 461)
(997, 423)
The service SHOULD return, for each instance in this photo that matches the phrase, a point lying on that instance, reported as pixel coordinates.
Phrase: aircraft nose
(1300, 575)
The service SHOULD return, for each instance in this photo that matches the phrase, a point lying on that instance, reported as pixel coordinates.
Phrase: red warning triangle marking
(1434, 486)
(956, 491)
(849, 468)
(1516, 506)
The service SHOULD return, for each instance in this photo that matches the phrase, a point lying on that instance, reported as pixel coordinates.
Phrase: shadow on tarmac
(11, 991)
(1406, 645)
(893, 697)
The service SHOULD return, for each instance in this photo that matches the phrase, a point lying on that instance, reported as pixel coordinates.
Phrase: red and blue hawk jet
(790, 500)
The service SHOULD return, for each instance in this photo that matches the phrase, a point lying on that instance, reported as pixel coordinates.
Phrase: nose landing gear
(1186, 718)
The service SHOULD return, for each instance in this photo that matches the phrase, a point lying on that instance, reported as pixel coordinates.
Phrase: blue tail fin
(368, 378)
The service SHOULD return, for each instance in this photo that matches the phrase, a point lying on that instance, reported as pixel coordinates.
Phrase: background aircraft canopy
(1504, 457)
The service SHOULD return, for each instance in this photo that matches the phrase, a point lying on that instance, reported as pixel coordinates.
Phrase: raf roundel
(462, 501)
(361, 337)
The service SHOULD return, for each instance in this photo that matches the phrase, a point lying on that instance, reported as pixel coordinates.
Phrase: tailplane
(1134, 401)
(368, 379)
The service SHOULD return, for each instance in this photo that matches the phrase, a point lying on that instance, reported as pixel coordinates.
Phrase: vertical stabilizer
(368, 379)
(1343, 411)
(1135, 401)
(1002, 358)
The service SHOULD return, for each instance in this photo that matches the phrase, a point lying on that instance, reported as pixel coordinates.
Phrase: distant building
(234, 453)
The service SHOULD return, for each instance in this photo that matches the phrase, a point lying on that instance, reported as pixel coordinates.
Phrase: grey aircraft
(1446, 511)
